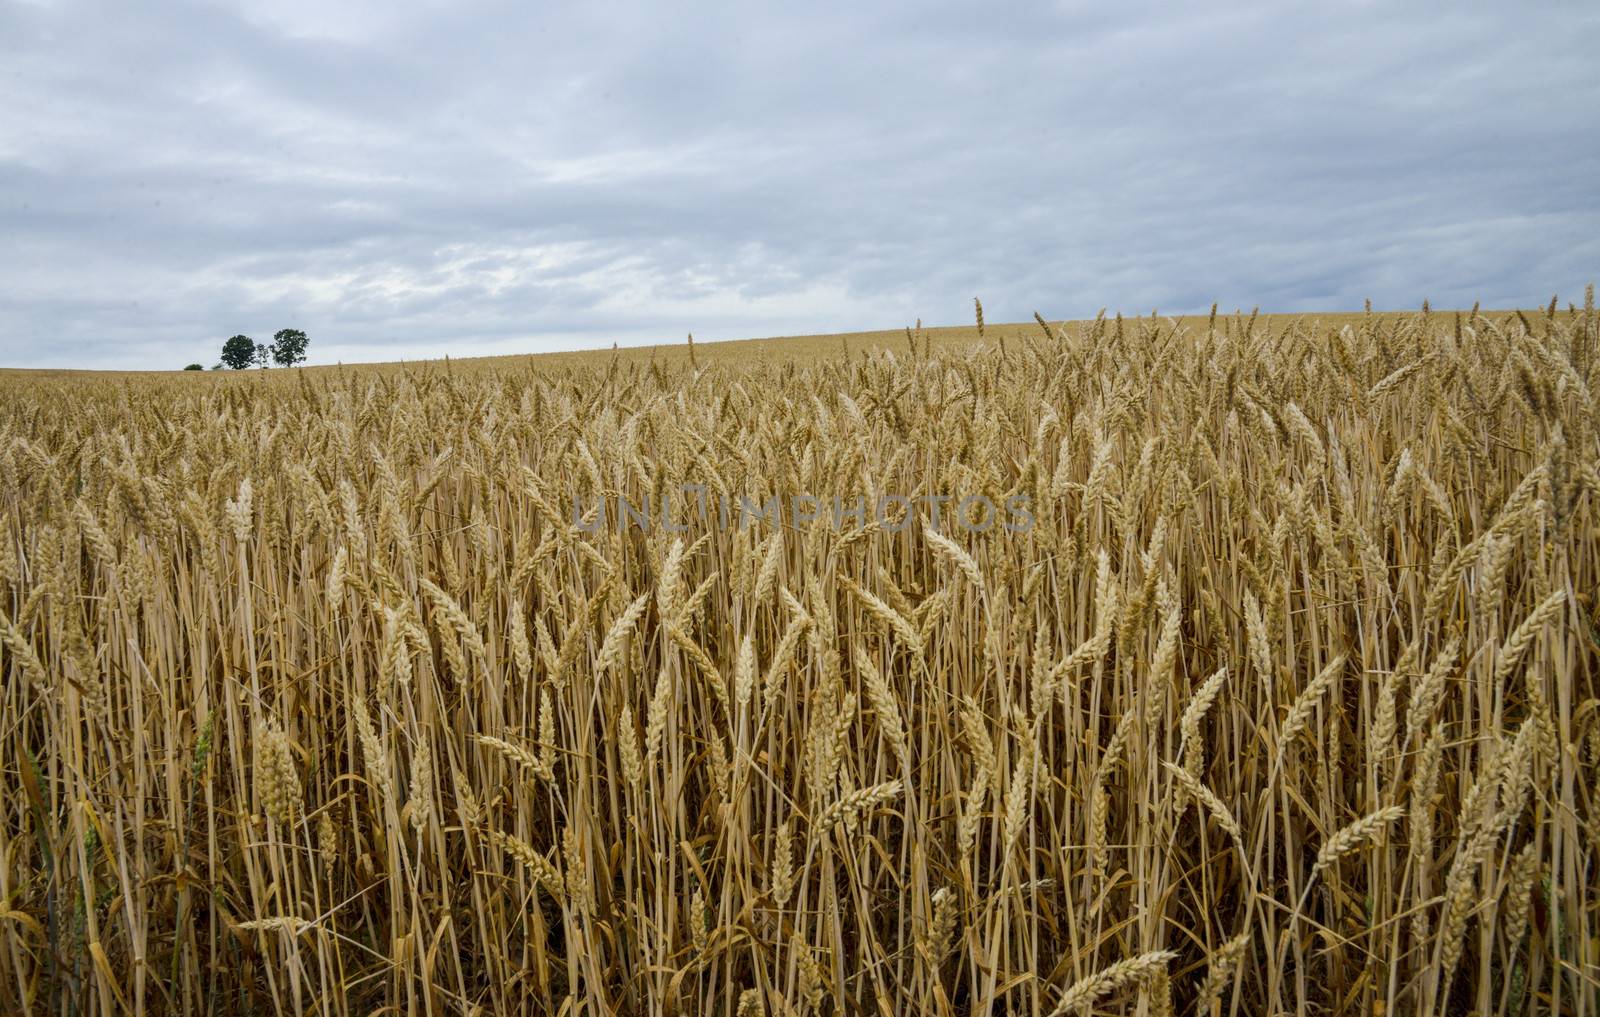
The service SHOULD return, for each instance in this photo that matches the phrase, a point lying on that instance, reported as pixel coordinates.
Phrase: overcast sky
(420, 179)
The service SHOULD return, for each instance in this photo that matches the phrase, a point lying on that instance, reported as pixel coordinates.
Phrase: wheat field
(327, 691)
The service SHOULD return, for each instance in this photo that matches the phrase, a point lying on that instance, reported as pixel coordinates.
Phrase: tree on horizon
(289, 346)
(239, 352)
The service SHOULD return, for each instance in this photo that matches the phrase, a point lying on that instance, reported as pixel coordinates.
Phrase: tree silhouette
(289, 346)
(239, 352)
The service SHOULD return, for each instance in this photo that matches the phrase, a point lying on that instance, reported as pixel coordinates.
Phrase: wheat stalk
(855, 804)
(1131, 971)
(1351, 837)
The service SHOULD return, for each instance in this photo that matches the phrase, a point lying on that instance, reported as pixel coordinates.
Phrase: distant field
(810, 347)
(1142, 668)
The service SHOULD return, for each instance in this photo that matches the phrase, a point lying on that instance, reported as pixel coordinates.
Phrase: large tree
(289, 346)
(239, 352)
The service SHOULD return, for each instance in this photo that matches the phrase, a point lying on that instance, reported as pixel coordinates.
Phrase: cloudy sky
(419, 179)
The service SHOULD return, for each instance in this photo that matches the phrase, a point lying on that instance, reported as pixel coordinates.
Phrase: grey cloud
(430, 179)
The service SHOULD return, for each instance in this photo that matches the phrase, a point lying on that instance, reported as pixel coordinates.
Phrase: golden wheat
(336, 691)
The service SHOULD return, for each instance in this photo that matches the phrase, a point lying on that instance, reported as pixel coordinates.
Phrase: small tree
(239, 352)
(194, 367)
(263, 355)
(289, 346)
